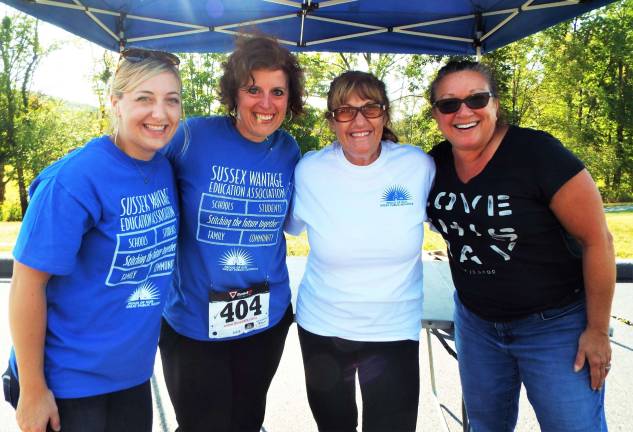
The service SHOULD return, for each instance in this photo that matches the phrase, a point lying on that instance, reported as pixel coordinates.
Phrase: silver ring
(607, 367)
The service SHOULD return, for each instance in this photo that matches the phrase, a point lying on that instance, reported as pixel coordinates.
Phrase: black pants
(389, 377)
(128, 410)
(221, 385)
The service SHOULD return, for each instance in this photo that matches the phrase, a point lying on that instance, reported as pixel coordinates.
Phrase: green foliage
(588, 84)
(20, 52)
(319, 72)
(418, 128)
(10, 211)
(101, 76)
(50, 130)
(310, 130)
(518, 70)
(201, 75)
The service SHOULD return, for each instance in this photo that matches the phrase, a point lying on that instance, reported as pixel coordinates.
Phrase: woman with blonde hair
(93, 261)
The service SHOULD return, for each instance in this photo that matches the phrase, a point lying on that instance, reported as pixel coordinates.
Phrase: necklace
(144, 176)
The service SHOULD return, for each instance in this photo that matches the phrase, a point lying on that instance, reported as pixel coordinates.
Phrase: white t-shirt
(363, 279)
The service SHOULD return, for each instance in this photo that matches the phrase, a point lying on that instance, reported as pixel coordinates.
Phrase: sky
(65, 72)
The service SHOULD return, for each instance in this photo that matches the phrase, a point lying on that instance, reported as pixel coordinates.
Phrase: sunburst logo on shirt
(396, 195)
(146, 295)
(236, 260)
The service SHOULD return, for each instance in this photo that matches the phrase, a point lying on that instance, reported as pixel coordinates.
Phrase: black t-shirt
(508, 253)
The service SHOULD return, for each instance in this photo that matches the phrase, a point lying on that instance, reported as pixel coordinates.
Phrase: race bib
(235, 312)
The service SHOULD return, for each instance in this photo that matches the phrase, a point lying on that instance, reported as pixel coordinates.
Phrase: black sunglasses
(452, 105)
(136, 55)
(349, 113)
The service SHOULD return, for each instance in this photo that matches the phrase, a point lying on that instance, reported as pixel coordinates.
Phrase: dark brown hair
(464, 65)
(365, 86)
(256, 53)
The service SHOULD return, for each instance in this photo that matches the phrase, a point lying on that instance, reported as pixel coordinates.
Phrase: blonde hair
(129, 75)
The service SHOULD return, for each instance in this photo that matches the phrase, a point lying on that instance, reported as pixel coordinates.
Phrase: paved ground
(288, 409)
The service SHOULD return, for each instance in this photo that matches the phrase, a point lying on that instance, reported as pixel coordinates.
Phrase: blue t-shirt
(104, 226)
(232, 279)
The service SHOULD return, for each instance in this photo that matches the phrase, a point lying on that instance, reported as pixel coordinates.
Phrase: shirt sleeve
(294, 225)
(52, 229)
(555, 164)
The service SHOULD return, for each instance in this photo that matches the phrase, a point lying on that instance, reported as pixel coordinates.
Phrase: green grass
(621, 227)
(620, 224)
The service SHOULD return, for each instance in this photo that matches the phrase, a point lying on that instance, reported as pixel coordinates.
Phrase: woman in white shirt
(362, 200)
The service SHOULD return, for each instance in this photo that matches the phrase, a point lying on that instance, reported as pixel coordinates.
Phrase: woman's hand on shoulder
(36, 410)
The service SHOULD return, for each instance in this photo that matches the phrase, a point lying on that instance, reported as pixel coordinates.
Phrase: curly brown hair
(255, 53)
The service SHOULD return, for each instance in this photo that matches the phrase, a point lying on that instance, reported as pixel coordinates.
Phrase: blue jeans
(538, 351)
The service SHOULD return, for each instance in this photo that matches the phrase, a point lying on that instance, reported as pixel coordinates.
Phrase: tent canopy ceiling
(457, 27)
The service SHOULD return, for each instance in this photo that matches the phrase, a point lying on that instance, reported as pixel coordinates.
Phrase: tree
(518, 68)
(589, 81)
(49, 130)
(20, 51)
(200, 76)
(102, 74)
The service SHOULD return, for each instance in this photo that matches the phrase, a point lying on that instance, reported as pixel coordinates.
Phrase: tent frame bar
(306, 11)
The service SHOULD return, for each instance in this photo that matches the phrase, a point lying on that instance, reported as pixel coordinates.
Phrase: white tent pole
(303, 21)
(349, 36)
(433, 35)
(528, 5)
(349, 23)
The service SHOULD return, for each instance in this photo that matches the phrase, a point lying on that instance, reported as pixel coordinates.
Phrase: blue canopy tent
(456, 27)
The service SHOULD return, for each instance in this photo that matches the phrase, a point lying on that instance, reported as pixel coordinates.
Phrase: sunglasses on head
(349, 113)
(136, 55)
(452, 105)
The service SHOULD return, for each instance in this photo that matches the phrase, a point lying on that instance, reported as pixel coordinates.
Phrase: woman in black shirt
(531, 257)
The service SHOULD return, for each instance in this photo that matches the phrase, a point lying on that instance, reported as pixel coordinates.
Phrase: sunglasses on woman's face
(348, 113)
(452, 105)
(136, 55)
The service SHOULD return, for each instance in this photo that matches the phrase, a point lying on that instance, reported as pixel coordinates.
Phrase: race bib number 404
(239, 311)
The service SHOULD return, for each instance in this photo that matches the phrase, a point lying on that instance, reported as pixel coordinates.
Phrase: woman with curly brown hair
(227, 317)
